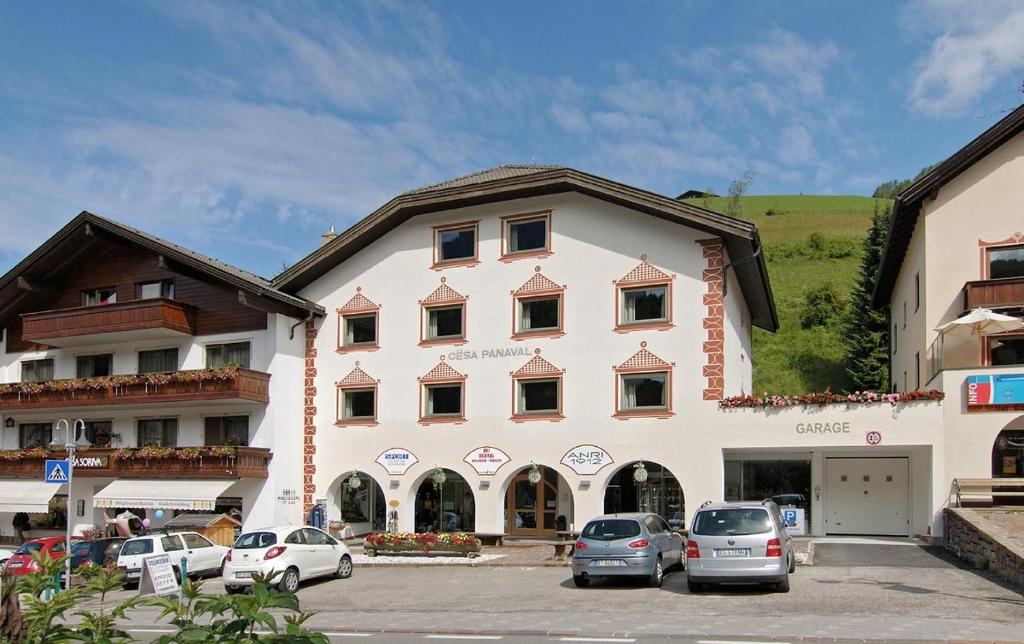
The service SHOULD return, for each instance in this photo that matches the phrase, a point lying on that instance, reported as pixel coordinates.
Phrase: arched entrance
(361, 503)
(659, 492)
(445, 503)
(537, 502)
(1008, 454)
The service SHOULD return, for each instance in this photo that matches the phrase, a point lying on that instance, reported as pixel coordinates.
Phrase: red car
(21, 562)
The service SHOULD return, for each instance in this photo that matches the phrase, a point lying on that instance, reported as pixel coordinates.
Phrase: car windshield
(137, 547)
(732, 522)
(611, 529)
(81, 548)
(252, 540)
(29, 548)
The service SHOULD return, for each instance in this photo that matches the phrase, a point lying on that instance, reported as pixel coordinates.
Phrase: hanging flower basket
(422, 543)
(640, 473)
(354, 482)
(534, 476)
(438, 477)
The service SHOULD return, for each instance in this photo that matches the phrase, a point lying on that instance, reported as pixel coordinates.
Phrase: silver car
(743, 542)
(617, 545)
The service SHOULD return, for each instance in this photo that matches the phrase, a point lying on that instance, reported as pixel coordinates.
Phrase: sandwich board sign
(56, 471)
(158, 577)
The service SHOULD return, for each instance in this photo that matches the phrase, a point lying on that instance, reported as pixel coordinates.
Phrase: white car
(5, 554)
(293, 553)
(201, 556)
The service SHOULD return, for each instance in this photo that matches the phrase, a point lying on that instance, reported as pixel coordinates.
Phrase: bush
(773, 212)
(821, 306)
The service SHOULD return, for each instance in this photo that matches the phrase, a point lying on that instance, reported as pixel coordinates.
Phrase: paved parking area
(856, 591)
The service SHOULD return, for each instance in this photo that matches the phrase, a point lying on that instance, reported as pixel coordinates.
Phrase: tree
(737, 189)
(822, 305)
(866, 330)
(891, 189)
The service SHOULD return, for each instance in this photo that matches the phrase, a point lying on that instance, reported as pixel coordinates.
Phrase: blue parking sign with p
(56, 471)
(789, 516)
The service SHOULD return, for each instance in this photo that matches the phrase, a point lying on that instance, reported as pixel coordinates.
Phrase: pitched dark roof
(908, 203)
(71, 235)
(509, 182)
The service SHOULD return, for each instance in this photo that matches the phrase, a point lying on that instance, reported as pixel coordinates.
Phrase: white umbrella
(983, 322)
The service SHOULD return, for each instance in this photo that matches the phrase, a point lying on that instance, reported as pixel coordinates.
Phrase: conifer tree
(866, 330)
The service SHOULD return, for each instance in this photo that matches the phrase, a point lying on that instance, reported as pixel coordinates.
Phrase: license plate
(609, 562)
(732, 552)
(15, 564)
(243, 575)
(134, 575)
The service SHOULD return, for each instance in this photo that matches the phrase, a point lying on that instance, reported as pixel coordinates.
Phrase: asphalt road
(853, 591)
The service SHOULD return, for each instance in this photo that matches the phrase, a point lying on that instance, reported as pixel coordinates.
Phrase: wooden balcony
(179, 463)
(137, 319)
(1006, 293)
(177, 387)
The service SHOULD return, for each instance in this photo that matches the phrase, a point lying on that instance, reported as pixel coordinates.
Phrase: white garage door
(867, 496)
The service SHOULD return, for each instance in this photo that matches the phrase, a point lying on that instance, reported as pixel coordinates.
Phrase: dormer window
(98, 296)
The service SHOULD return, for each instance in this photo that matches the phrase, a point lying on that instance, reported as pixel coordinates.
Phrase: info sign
(158, 577)
(487, 460)
(997, 392)
(397, 461)
(586, 460)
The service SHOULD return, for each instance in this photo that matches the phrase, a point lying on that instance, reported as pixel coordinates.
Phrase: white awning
(28, 496)
(164, 494)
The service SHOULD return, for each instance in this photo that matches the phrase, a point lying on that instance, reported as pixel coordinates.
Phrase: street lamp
(72, 442)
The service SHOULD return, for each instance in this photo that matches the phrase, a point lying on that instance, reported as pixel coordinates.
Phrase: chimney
(328, 237)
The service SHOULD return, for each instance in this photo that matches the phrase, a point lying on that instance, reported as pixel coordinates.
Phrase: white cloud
(974, 50)
(795, 60)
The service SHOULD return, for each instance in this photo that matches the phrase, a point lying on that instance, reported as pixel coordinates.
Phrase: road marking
(462, 637)
(595, 639)
(736, 642)
(348, 634)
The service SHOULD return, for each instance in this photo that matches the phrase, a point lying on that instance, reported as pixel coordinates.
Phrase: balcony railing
(141, 389)
(50, 327)
(147, 462)
(1007, 292)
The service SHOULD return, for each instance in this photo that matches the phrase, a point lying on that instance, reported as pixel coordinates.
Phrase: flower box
(422, 543)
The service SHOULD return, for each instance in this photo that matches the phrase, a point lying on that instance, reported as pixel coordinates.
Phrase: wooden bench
(985, 491)
(491, 538)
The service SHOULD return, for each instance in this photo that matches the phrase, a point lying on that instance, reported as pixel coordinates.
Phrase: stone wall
(982, 541)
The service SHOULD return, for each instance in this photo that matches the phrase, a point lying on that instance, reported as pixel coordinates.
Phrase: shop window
(363, 504)
(445, 507)
(94, 366)
(37, 370)
(644, 299)
(456, 244)
(226, 430)
(158, 432)
(99, 432)
(527, 235)
(31, 435)
(154, 290)
(234, 354)
(1008, 456)
(1005, 262)
(158, 361)
(98, 296)
(1007, 350)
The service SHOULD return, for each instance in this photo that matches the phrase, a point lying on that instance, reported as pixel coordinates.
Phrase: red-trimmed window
(443, 317)
(442, 396)
(537, 391)
(643, 299)
(643, 386)
(538, 308)
(526, 235)
(356, 399)
(358, 324)
(457, 245)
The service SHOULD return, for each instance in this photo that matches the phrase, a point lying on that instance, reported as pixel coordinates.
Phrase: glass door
(531, 509)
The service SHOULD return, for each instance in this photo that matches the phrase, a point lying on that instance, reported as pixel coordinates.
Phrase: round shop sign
(397, 461)
(487, 460)
(874, 438)
(586, 460)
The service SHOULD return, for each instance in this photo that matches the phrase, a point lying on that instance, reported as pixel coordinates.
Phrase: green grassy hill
(797, 360)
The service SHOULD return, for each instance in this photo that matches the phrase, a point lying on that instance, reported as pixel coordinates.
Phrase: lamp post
(72, 442)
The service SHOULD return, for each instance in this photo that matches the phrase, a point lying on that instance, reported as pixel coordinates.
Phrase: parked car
(293, 553)
(615, 545)
(5, 554)
(739, 542)
(96, 552)
(21, 563)
(201, 556)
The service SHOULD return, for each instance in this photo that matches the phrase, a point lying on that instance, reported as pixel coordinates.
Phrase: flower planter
(422, 544)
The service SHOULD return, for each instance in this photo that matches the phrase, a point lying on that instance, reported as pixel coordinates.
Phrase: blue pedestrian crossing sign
(56, 472)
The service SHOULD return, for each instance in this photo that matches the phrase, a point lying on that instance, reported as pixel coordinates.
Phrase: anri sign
(586, 460)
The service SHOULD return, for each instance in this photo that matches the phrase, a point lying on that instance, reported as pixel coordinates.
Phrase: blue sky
(245, 130)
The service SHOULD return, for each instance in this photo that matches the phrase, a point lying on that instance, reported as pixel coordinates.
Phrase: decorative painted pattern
(358, 303)
(442, 295)
(714, 320)
(645, 272)
(537, 284)
(538, 366)
(443, 372)
(356, 377)
(309, 421)
(643, 360)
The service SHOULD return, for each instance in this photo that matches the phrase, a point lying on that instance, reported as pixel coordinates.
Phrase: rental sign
(996, 392)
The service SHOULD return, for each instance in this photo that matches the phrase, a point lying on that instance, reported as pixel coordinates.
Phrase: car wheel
(289, 581)
(783, 586)
(658, 574)
(234, 590)
(792, 563)
(344, 570)
(581, 581)
(694, 586)
(177, 573)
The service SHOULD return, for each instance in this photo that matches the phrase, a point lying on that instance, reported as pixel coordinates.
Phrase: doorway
(531, 509)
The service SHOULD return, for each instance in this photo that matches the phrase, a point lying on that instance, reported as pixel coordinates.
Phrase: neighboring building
(151, 345)
(956, 242)
(539, 320)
